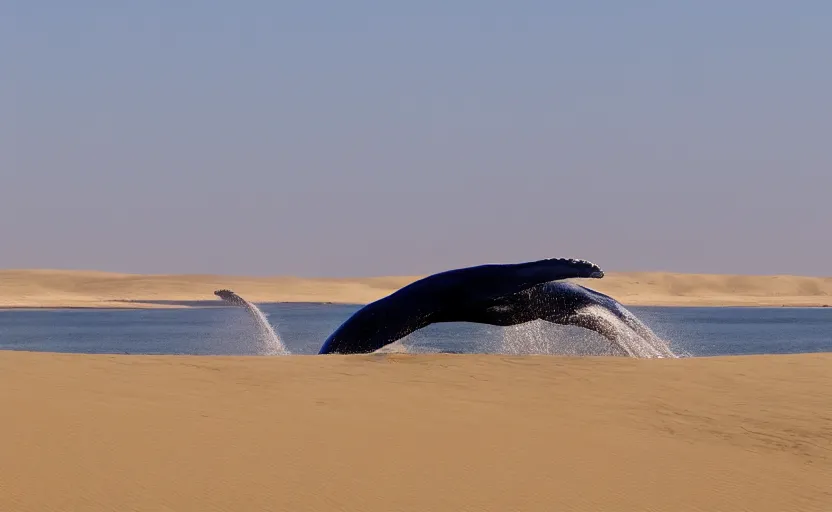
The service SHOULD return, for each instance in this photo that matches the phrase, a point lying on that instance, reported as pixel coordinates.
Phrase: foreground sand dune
(57, 288)
(415, 433)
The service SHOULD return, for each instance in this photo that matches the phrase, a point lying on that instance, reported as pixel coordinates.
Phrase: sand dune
(57, 288)
(415, 433)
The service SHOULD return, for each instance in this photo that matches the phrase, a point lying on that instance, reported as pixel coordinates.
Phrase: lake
(225, 330)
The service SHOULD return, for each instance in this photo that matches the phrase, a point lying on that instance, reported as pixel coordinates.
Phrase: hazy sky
(366, 138)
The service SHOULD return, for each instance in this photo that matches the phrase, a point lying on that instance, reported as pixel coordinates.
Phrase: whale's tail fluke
(231, 297)
(273, 343)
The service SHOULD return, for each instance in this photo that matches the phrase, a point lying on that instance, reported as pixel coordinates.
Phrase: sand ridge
(65, 288)
(414, 433)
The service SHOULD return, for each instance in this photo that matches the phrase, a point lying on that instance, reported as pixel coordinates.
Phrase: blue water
(303, 327)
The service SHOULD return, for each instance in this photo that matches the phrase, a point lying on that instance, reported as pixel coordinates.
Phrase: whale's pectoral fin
(554, 269)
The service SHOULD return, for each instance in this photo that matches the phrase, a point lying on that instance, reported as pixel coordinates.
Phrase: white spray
(541, 337)
(272, 342)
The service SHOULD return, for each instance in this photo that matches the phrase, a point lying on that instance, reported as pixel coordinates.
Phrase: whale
(495, 294)
(500, 295)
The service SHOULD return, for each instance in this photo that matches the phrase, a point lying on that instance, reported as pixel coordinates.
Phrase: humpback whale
(495, 294)
(502, 295)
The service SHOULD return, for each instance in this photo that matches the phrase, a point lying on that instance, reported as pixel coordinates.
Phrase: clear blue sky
(366, 138)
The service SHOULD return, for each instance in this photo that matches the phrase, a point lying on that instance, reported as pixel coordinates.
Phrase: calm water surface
(303, 327)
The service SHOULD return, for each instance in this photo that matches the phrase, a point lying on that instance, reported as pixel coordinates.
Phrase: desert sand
(415, 433)
(60, 288)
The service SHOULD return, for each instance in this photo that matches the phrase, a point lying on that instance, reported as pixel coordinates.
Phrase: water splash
(541, 337)
(632, 338)
(397, 347)
(635, 338)
(272, 344)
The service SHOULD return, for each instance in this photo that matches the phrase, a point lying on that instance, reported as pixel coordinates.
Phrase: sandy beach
(61, 288)
(415, 433)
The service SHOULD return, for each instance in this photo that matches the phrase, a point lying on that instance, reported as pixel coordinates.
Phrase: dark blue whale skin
(496, 294)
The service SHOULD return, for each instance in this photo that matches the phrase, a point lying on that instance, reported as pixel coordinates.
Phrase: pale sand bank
(57, 288)
(415, 433)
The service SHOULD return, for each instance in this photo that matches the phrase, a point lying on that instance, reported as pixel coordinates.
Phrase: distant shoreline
(60, 289)
(130, 305)
(144, 306)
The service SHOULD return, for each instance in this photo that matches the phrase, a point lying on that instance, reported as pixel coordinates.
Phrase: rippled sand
(415, 433)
